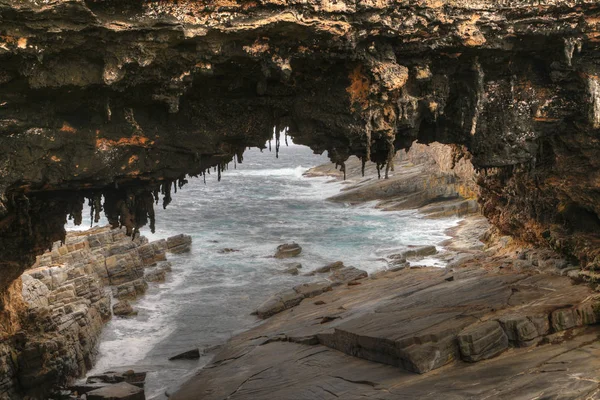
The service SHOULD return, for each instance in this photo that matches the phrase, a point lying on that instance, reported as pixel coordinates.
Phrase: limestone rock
(179, 244)
(118, 391)
(130, 290)
(123, 308)
(415, 252)
(482, 341)
(290, 298)
(291, 271)
(522, 330)
(347, 274)
(156, 275)
(288, 250)
(330, 267)
(152, 253)
(279, 302)
(313, 289)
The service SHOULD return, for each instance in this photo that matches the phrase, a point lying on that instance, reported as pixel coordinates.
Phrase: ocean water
(209, 295)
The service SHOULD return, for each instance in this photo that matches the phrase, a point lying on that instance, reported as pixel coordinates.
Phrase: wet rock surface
(288, 250)
(188, 355)
(492, 326)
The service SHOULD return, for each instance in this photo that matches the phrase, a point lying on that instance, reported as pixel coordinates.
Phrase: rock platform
(494, 325)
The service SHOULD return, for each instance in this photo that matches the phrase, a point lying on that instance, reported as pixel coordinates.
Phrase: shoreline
(70, 294)
(549, 316)
(266, 360)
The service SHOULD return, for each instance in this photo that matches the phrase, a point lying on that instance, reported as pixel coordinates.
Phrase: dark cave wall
(127, 99)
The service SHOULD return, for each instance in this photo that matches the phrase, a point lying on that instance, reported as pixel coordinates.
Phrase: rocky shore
(66, 298)
(500, 321)
(427, 177)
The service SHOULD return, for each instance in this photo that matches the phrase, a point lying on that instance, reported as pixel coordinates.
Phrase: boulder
(288, 250)
(291, 271)
(279, 302)
(227, 250)
(188, 355)
(179, 244)
(166, 266)
(130, 290)
(290, 298)
(118, 391)
(330, 267)
(156, 275)
(482, 341)
(123, 308)
(313, 289)
(347, 274)
(415, 252)
(154, 252)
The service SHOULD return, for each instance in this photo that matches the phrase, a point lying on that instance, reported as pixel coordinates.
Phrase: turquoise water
(209, 295)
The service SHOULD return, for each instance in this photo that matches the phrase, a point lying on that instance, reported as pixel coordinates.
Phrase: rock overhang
(126, 99)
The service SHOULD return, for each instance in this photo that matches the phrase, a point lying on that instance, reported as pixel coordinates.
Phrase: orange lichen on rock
(359, 88)
(55, 159)
(135, 140)
(67, 128)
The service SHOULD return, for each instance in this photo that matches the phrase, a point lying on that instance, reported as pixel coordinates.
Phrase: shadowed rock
(188, 355)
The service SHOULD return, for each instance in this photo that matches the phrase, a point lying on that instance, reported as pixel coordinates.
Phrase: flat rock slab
(411, 321)
(290, 371)
(118, 391)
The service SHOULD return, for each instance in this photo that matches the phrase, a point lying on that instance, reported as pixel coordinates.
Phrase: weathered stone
(123, 308)
(482, 341)
(347, 274)
(415, 252)
(130, 290)
(279, 302)
(291, 271)
(522, 330)
(313, 289)
(291, 297)
(156, 275)
(330, 267)
(288, 250)
(563, 319)
(117, 391)
(179, 244)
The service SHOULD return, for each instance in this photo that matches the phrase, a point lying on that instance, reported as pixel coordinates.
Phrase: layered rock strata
(66, 299)
(536, 330)
(427, 177)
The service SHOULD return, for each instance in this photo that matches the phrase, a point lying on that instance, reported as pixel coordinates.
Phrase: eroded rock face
(51, 318)
(125, 99)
